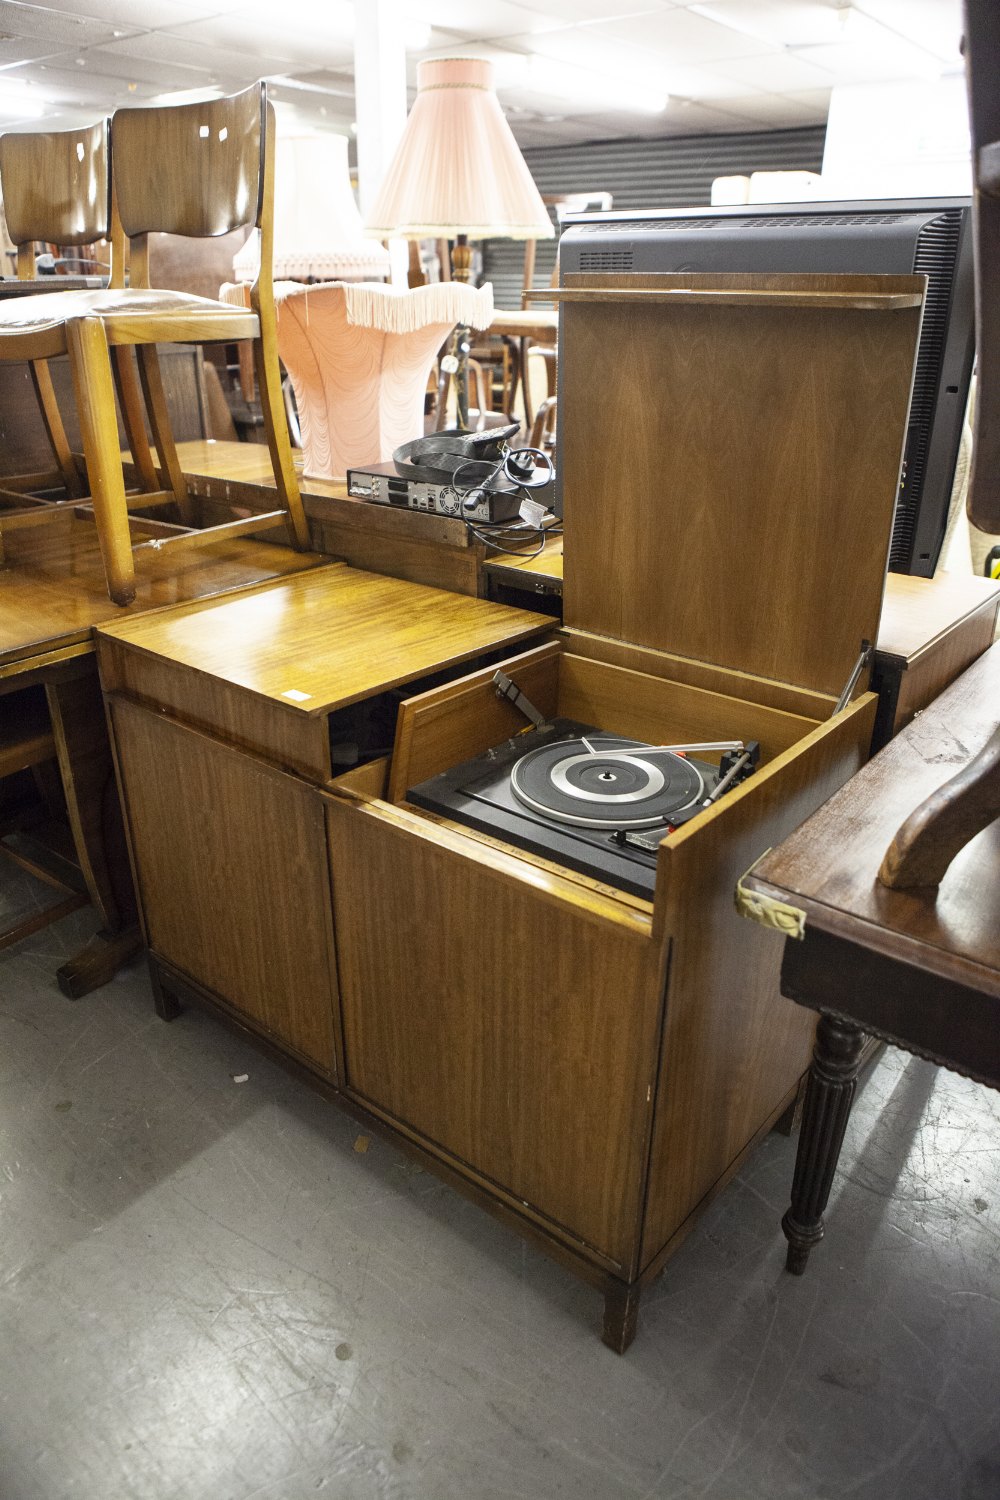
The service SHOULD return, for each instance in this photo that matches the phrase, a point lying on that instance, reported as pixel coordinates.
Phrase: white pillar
(380, 102)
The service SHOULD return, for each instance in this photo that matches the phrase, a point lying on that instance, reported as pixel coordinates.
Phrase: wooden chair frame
(99, 333)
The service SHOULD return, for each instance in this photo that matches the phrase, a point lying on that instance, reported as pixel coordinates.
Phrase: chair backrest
(191, 169)
(198, 170)
(55, 188)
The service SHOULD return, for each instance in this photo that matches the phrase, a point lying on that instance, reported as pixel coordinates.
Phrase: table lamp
(458, 173)
(318, 234)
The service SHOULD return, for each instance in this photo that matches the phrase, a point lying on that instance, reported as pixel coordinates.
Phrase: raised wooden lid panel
(730, 450)
(330, 637)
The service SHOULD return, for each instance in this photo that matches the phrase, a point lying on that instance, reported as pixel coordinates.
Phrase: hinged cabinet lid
(730, 449)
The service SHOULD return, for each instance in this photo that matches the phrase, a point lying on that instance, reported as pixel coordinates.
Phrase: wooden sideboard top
(53, 589)
(917, 612)
(828, 866)
(329, 637)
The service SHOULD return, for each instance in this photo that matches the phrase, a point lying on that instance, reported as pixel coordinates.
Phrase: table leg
(829, 1095)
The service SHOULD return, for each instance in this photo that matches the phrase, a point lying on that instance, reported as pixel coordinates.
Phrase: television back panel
(895, 237)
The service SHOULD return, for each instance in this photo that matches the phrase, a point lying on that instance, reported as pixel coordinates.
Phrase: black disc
(603, 782)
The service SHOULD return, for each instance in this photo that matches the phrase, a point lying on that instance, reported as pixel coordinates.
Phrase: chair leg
(163, 437)
(275, 425)
(90, 361)
(130, 402)
(41, 378)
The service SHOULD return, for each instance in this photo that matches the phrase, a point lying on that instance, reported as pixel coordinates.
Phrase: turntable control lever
(510, 690)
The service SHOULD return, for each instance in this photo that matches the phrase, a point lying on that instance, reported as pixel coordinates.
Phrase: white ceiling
(729, 65)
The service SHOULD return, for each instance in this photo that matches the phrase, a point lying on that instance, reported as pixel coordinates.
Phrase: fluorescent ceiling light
(188, 96)
(20, 100)
(601, 91)
(803, 25)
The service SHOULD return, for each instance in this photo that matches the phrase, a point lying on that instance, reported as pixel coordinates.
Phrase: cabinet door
(516, 1028)
(232, 870)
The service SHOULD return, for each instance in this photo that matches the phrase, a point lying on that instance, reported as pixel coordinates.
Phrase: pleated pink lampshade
(458, 168)
(318, 232)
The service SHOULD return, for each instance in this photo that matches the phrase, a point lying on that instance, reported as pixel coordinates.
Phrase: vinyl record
(605, 782)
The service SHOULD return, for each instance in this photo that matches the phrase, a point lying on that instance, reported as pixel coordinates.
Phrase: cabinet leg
(167, 1006)
(621, 1315)
(829, 1094)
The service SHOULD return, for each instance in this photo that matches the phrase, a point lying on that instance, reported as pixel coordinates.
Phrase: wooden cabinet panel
(517, 1032)
(231, 859)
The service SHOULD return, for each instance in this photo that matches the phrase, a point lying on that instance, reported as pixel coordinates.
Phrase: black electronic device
(384, 485)
(932, 236)
(473, 475)
(595, 802)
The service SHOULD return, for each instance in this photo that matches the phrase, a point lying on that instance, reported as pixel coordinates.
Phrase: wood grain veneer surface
(329, 637)
(53, 589)
(729, 482)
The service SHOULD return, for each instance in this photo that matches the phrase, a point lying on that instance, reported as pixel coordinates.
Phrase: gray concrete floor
(209, 1291)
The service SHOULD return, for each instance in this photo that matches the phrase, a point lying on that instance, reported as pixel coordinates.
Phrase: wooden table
(918, 968)
(52, 594)
(520, 329)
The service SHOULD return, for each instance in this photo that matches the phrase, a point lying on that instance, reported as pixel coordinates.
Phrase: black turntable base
(592, 801)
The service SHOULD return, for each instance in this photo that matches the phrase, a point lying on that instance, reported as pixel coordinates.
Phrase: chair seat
(123, 309)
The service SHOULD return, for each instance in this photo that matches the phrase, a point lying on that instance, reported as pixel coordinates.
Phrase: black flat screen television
(932, 236)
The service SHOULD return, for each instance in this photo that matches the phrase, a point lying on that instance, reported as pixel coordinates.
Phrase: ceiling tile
(720, 78)
(706, 83)
(775, 72)
(780, 23)
(16, 50)
(274, 43)
(682, 35)
(159, 46)
(103, 63)
(935, 25)
(50, 25)
(568, 11)
(851, 64)
(480, 19)
(581, 47)
(141, 15)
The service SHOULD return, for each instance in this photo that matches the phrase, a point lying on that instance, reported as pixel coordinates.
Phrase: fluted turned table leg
(829, 1095)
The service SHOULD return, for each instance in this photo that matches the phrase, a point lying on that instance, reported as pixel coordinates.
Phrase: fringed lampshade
(458, 169)
(318, 235)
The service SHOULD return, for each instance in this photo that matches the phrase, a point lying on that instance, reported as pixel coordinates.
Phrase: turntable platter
(600, 781)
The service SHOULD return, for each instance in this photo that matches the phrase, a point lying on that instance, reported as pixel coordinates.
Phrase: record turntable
(596, 802)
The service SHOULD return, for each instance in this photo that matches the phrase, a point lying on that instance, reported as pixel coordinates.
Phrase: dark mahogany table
(918, 968)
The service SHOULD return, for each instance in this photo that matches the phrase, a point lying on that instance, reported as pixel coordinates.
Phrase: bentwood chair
(198, 170)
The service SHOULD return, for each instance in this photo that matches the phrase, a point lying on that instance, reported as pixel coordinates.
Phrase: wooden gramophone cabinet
(592, 1066)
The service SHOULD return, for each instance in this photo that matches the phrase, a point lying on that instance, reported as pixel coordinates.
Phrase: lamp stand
(461, 270)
